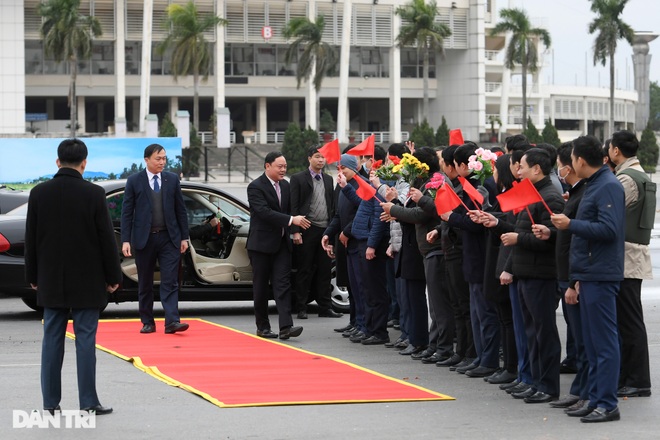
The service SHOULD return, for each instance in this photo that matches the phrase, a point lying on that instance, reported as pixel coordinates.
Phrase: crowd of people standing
(491, 280)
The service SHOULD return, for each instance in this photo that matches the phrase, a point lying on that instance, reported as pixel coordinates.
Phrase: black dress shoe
(410, 349)
(464, 363)
(582, 412)
(174, 327)
(633, 392)
(577, 405)
(567, 369)
(402, 345)
(351, 332)
(99, 410)
(522, 386)
(465, 369)
(375, 340)
(524, 394)
(343, 329)
(508, 386)
(267, 333)
(494, 374)
(602, 415)
(565, 402)
(148, 328)
(421, 352)
(358, 337)
(391, 344)
(290, 332)
(329, 313)
(433, 359)
(540, 397)
(480, 372)
(301, 315)
(503, 378)
(51, 411)
(452, 360)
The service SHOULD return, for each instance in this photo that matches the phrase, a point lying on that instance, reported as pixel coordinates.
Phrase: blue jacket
(598, 229)
(367, 224)
(343, 218)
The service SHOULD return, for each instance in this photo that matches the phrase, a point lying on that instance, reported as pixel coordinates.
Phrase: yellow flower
(396, 168)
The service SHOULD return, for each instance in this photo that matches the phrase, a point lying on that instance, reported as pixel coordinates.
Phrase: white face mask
(562, 179)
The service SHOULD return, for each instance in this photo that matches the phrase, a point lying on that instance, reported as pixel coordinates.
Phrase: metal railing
(277, 137)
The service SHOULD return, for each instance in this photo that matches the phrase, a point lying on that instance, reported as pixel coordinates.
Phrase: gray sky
(568, 20)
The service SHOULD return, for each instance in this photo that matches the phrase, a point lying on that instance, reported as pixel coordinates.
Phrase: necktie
(317, 177)
(279, 193)
(156, 186)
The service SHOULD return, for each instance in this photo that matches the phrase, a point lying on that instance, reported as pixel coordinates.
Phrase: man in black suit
(312, 196)
(154, 224)
(71, 260)
(269, 245)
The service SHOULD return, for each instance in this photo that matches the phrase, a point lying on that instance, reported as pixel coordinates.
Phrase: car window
(228, 208)
(114, 206)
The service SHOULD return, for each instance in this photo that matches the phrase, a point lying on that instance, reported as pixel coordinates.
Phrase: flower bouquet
(482, 163)
(384, 172)
(436, 182)
(410, 168)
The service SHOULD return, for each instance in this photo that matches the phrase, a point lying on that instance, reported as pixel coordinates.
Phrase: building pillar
(395, 86)
(151, 126)
(262, 119)
(295, 111)
(82, 115)
(120, 70)
(145, 69)
(344, 58)
(182, 123)
(174, 106)
(641, 66)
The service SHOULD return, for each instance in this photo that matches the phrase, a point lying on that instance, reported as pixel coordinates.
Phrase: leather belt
(156, 231)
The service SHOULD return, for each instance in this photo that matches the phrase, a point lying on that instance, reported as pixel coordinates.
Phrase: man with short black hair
(70, 277)
(635, 378)
(154, 227)
(312, 197)
(596, 268)
(269, 245)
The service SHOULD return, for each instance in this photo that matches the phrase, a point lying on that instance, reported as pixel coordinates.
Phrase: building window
(412, 64)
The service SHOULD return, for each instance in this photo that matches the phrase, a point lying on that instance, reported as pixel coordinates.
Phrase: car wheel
(339, 297)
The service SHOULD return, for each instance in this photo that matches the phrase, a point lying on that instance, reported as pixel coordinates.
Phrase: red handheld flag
(331, 151)
(456, 137)
(364, 148)
(365, 191)
(446, 199)
(520, 196)
(471, 191)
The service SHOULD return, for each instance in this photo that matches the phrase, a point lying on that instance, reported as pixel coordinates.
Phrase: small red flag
(446, 199)
(364, 148)
(331, 151)
(456, 137)
(520, 196)
(365, 191)
(470, 190)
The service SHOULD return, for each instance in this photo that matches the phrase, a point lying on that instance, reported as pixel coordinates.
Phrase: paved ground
(147, 408)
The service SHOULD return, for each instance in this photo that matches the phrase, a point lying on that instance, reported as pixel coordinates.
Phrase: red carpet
(233, 369)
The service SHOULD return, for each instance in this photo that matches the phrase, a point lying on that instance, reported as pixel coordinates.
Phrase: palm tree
(68, 35)
(522, 48)
(419, 28)
(191, 52)
(609, 28)
(313, 51)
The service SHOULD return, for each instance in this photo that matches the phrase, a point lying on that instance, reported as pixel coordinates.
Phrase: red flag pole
(530, 214)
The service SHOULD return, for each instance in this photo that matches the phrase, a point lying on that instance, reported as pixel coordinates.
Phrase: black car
(11, 198)
(216, 268)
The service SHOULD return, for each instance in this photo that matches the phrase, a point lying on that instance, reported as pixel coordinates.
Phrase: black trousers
(538, 301)
(313, 270)
(377, 300)
(276, 270)
(459, 291)
(443, 327)
(632, 336)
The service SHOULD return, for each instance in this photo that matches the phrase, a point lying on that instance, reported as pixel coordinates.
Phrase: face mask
(562, 179)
